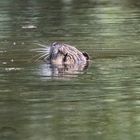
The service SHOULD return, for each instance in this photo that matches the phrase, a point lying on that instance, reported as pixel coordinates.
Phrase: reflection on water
(38, 101)
(61, 71)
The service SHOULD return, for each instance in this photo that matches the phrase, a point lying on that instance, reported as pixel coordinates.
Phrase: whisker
(40, 49)
(44, 46)
(43, 51)
(44, 55)
(38, 55)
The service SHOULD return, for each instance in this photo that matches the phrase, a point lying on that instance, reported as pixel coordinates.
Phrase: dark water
(101, 102)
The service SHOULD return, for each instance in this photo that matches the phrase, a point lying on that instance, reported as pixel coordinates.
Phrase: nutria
(63, 54)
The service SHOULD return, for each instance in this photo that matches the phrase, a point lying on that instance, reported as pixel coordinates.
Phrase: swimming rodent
(63, 54)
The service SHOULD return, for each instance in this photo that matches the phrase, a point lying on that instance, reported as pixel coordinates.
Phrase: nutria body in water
(62, 60)
(64, 54)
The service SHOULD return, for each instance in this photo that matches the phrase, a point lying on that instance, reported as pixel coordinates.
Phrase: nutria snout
(60, 53)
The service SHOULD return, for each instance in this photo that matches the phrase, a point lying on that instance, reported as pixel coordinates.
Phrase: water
(101, 102)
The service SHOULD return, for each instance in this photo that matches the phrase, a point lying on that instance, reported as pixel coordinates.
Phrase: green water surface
(100, 103)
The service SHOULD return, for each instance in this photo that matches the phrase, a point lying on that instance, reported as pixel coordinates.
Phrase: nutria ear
(86, 55)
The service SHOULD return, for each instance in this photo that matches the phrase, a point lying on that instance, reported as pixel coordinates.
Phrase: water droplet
(4, 63)
(12, 60)
(29, 27)
(14, 43)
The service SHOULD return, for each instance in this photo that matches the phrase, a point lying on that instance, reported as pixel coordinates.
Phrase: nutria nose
(55, 43)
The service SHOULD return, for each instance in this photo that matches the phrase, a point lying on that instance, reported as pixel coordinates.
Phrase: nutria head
(60, 53)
